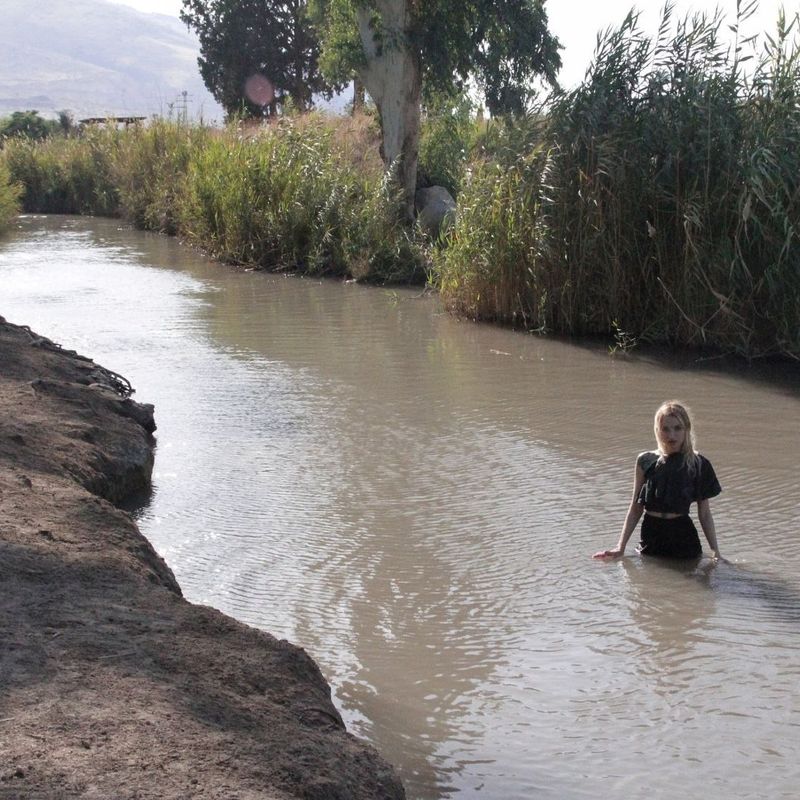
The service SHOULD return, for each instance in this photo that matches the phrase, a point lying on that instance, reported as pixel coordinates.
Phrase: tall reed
(287, 198)
(661, 197)
(64, 175)
(149, 169)
(10, 193)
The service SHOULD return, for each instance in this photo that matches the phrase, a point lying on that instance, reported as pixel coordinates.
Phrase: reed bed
(150, 164)
(660, 199)
(65, 174)
(10, 193)
(289, 199)
(307, 194)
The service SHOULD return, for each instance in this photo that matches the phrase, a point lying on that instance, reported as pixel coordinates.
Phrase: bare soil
(111, 684)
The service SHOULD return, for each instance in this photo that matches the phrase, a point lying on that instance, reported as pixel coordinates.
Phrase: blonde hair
(674, 408)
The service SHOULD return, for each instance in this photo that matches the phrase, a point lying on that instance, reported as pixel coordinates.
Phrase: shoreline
(112, 684)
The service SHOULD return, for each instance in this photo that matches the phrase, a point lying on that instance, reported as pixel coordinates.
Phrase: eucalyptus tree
(401, 49)
(256, 53)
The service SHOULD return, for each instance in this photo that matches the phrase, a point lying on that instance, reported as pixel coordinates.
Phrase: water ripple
(414, 500)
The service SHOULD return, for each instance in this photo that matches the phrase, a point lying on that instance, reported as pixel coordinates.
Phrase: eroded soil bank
(111, 684)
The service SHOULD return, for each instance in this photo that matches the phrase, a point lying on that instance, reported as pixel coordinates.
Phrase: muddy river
(415, 500)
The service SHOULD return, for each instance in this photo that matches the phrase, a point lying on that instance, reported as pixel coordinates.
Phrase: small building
(115, 121)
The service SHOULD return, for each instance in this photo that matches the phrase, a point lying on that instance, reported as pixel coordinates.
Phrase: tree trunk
(393, 78)
(358, 96)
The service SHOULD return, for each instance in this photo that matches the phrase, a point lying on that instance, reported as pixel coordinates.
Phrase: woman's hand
(615, 553)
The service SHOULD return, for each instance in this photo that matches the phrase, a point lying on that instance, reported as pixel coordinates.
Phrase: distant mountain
(96, 58)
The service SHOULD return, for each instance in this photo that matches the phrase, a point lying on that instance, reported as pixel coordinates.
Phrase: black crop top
(668, 487)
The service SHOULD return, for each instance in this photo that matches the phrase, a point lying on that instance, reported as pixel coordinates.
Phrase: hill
(96, 58)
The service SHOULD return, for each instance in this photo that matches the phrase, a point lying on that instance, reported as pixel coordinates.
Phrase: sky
(577, 22)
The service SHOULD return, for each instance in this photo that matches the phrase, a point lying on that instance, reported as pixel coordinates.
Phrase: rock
(436, 209)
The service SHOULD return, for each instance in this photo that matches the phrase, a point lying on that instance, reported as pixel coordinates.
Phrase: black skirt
(673, 538)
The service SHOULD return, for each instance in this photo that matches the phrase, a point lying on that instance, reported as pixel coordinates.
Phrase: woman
(666, 483)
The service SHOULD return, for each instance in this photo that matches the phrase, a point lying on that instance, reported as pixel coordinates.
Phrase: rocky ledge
(111, 684)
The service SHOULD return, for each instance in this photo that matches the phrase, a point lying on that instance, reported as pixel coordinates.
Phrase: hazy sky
(576, 22)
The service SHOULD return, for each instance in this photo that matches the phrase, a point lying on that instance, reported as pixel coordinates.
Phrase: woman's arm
(707, 524)
(635, 511)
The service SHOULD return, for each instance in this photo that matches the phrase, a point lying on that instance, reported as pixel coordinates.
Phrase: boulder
(436, 209)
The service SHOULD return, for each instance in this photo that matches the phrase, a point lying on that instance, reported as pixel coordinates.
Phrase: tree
(66, 122)
(400, 47)
(256, 53)
(26, 124)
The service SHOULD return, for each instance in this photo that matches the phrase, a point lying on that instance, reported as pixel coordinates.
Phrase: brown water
(414, 500)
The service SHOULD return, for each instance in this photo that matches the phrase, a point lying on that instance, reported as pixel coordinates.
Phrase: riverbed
(415, 499)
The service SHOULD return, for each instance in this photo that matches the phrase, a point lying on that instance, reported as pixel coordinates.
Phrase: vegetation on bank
(307, 193)
(9, 197)
(659, 201)
(64, 175)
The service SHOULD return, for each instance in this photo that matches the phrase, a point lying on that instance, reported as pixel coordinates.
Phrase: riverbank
(655, 203)
(112, 684)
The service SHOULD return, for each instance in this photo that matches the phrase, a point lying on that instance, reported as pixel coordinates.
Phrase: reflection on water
(414, 500)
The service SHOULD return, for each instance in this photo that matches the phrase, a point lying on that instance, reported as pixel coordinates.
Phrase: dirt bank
(111, 684)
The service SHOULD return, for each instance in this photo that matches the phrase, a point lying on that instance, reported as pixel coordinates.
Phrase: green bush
(447, 135)
(28, 125)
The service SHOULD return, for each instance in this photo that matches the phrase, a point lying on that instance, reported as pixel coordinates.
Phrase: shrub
(9, 197)
(447, 136)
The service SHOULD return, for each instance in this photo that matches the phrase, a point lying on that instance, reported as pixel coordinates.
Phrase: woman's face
(671, 435)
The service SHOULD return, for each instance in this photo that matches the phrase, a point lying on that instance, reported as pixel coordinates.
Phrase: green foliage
(27, 125)
(661, 198)
(66, 123)
(288, 200)
(150, 164)
(64, 175)
(256, 54)
(500, 44)
(341, 53)
(447, 136)
(9, 197)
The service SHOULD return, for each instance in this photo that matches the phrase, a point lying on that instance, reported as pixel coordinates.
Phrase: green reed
(150, 166)
(10, 193)
(64, 175)
(661, 197)
(307, 194)
(287, 198)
